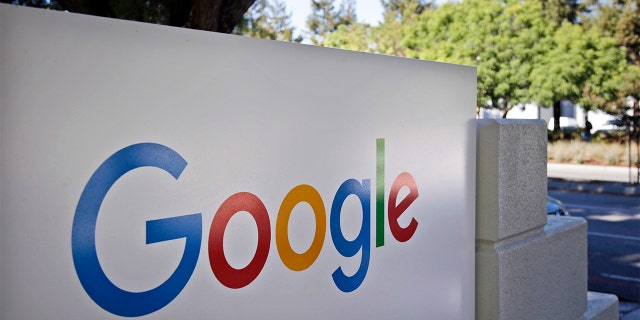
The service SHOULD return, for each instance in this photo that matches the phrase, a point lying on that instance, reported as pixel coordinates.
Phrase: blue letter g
(83, 241)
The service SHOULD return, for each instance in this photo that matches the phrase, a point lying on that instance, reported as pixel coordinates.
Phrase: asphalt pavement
(600, 180)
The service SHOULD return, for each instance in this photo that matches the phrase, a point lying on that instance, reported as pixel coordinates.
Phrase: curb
(585, 172)
(635, 315)
(594, 186)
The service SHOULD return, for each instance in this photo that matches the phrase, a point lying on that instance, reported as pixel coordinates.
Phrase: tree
(325, 18)
(628, 35)
(347, 12)
(385, 38)
(355, 37)
(209, 15)
(401, 10)
(559, 11)
(499, 37)
(400, 18)
(621, 20)
(583, 67)
(521, 55)
(440, 34)
(507, 58)
(268, 19)
(628, 30)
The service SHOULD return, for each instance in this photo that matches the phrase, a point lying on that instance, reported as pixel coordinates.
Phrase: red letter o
(223, 271)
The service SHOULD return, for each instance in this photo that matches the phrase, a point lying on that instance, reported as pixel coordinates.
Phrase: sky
(367, 11)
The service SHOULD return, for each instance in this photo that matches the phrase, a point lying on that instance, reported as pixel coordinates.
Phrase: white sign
(169, 173)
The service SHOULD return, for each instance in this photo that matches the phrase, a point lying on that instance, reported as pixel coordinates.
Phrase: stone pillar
(528, 265)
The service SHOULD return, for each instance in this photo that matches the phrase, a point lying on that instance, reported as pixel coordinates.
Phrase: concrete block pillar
(528, 266)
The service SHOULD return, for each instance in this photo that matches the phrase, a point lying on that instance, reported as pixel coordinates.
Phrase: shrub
(591, 153)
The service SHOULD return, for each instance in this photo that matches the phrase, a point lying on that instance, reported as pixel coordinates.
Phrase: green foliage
(521, 54)
(268, 19)
(500, 38)
(628, 30)
(402, 10)
(624, 25)
(620, 20)
(559, 11)
(356, 37)
(630, 83)
(582, 66)
(444, 34)
(400, 18)
(505, 59)
(325, 18)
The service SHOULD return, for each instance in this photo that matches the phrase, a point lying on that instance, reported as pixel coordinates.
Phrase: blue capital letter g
(83, 242)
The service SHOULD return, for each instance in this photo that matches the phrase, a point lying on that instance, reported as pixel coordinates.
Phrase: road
(614, 240)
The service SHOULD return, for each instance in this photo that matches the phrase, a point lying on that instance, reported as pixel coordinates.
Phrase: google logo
(125, 303)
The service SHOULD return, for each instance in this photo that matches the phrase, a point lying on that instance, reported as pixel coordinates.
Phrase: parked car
(612, 126)
(555, 207)
(566, 123)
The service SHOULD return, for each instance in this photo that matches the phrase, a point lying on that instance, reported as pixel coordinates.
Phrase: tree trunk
(506, 107)
(210, 15)
(556, 115)
(204, 15)
(179, 12)
(231, 13)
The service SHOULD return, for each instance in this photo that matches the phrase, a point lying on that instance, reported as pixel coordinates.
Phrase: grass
(596, 153)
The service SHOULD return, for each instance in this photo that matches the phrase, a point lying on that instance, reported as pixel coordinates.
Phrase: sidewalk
(593, 179)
